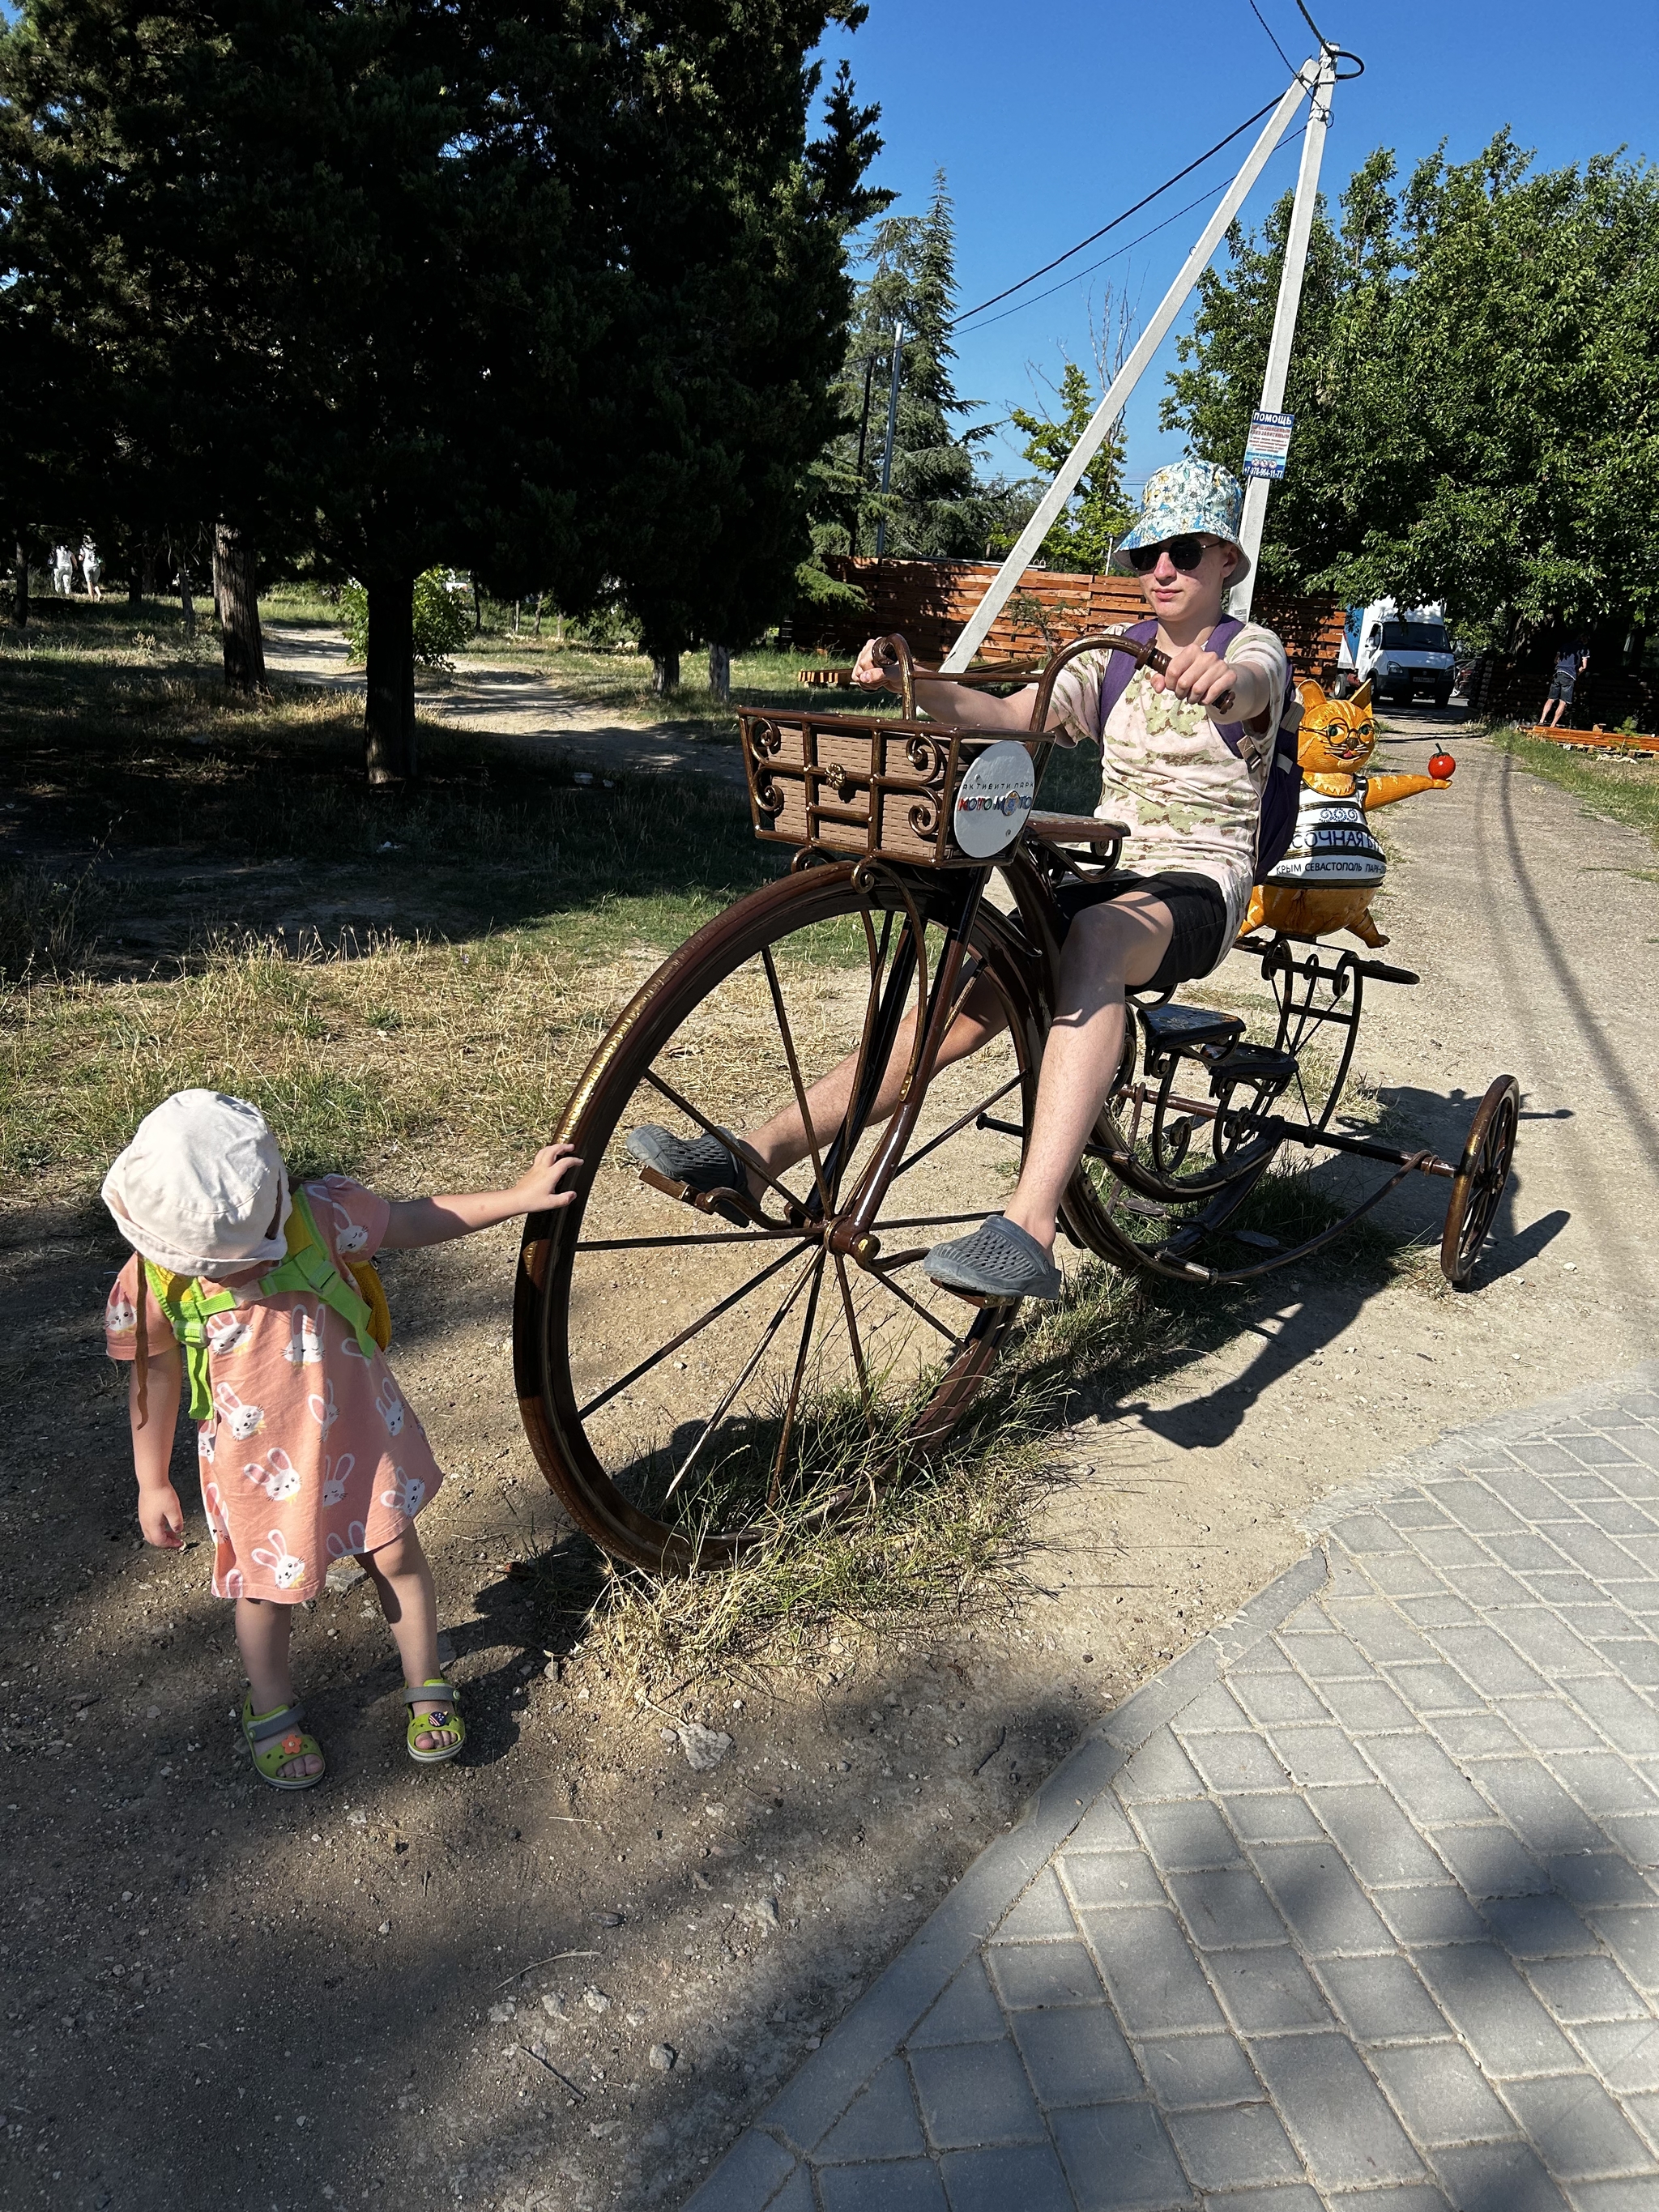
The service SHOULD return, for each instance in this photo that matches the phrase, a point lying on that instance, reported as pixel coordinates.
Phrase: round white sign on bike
(992, 801)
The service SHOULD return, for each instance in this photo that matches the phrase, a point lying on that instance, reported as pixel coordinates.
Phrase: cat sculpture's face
(1337, 735)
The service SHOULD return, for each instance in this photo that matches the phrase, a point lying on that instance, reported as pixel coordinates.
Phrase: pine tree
(934, 509)
(742, 301)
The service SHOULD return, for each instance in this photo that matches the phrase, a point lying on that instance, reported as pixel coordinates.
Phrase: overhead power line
(1268, 28)
(1009, 290)
(1118, 252)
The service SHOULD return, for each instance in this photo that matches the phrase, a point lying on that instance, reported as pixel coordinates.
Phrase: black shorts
(1196, 907)
(1561, 689)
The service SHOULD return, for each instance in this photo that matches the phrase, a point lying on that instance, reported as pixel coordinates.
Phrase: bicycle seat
(1253, 1063)
(1193, 1032)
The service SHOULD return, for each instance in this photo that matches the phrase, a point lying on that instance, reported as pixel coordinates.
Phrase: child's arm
(159, 1515)
(416, 1221)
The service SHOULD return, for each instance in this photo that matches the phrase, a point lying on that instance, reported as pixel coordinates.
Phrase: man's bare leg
(781, 1142)
(1108, 949)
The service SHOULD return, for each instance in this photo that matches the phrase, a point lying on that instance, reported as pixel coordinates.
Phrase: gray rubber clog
(1001, 1262)
(703, 1162)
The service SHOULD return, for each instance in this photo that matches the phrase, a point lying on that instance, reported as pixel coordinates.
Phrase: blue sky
(1049, 120)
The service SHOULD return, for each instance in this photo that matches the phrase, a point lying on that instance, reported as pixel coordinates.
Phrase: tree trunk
(478, 611)
(665, 672)
(20, 586)
(186, 605)
(147, 570)
(236, 595)
(539, 614)
(719, 672)
(389, 708)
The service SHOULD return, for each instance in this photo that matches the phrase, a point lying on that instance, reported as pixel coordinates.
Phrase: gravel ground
(562, 1973)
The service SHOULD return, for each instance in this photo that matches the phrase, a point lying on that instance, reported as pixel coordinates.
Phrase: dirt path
(382, 1989)
(505, 704)
(1529, 924)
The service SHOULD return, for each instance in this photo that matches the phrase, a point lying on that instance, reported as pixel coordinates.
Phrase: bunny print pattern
(312, 1452)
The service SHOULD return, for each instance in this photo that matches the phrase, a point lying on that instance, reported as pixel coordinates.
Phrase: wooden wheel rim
(1482, 1173)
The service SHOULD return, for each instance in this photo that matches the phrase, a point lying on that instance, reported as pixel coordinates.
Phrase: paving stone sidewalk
(1353, 1906)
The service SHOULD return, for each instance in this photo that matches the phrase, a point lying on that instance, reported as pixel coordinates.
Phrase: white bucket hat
(1195, 497)
(197, 1188)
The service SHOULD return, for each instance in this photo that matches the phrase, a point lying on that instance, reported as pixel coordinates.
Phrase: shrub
(441, 619)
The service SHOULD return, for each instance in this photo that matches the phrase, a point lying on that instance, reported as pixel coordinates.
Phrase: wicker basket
(858, 787)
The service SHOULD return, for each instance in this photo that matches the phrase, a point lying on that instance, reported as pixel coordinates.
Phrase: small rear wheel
(1478, 1187)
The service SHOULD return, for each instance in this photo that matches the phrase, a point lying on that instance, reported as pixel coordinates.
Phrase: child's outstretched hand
(416, 1221)
(160, 1516)
(537, 1189)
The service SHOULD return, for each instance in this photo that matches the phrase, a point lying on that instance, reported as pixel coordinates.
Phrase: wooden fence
(928, 602)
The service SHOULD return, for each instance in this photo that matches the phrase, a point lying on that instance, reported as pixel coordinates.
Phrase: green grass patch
(253, 814)
(1623, 787)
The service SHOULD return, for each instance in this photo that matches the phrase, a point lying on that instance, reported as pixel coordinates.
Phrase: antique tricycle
(691, 1363)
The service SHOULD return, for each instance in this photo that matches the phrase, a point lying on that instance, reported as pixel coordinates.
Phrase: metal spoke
(961, 1123)
(709, 1130)
(643, 1243)
(937, 1220)
(853, 1330)
(787, 1430)
(887, 1283)
(686, 1335)
(749, 1367)
(787, 1036)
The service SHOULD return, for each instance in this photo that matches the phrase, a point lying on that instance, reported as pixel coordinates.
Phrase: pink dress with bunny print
(311, 1452)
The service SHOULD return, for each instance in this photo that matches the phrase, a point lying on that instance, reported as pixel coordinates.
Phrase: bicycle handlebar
(893, 652)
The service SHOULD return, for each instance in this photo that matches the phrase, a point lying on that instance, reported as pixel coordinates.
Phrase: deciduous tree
(1475, 384)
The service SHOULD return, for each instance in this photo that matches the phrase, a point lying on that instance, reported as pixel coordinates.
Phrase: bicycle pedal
(655, 1180)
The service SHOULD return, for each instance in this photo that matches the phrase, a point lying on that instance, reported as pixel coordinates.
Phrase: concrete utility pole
(892, 426)
(1053, 500)
(1285, 314)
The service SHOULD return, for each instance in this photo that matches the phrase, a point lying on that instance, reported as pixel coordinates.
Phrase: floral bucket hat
(1188, 495)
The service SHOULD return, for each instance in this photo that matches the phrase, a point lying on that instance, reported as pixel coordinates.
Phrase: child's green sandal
(275, 1739)
(445, 1719)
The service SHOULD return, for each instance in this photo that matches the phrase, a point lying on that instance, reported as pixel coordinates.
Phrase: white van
(1405, 656)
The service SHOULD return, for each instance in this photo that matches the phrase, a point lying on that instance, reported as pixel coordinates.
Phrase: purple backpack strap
(1120, 668)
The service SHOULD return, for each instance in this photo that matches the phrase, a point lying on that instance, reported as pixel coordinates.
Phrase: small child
(308, 1452)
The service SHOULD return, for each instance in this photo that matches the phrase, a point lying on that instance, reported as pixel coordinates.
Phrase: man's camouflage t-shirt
(1189, 803)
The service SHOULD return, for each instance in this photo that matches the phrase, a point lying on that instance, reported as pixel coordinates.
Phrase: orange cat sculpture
(1325, 881)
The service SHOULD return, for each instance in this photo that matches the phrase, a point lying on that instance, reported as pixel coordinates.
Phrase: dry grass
(349, 1053)
(946, 1538)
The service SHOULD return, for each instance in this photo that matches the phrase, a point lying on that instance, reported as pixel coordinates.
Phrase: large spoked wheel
(688, 1383)
(1478, 1187)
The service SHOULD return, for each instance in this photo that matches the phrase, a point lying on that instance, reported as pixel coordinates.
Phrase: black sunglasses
(1185, 553)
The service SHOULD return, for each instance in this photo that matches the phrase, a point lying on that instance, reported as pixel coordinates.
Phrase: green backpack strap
(187, 1305)
(308, 1267)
